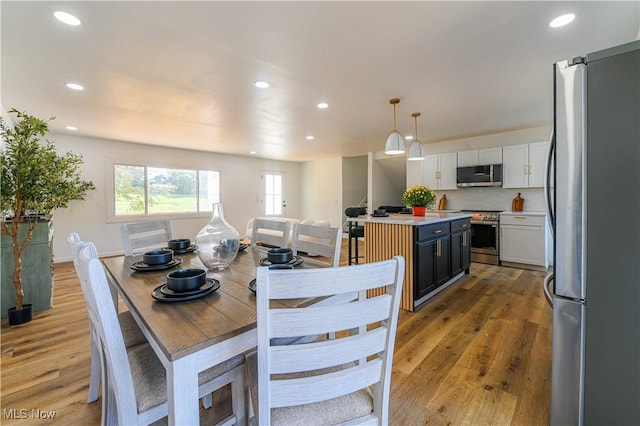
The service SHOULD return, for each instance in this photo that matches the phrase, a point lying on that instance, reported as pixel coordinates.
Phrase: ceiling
(181, 74)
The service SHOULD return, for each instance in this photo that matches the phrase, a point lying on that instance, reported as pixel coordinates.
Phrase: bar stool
(355, 232)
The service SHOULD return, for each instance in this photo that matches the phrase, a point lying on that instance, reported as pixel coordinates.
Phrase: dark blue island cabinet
(443, 252)
(436, 248)
(37, 269)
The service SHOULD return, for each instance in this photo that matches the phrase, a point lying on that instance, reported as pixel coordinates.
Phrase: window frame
(111, 216)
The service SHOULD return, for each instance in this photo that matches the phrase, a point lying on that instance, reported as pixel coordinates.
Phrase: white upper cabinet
(468, 158)
(480, 157)
(537, 163)
(524, 165)
(490, 156)
(439, 171)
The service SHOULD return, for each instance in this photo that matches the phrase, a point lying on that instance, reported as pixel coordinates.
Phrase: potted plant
(35, 181)
(419, 197)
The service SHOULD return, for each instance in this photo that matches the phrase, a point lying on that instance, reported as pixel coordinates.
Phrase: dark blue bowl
(186, 279)
(158, 257)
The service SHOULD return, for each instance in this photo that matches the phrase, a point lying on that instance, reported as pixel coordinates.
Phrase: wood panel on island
(436, 248)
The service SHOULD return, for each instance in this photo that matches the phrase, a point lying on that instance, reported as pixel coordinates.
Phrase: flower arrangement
(419, 196)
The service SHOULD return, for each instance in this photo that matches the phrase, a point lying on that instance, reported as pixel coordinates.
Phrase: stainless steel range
(485, 241)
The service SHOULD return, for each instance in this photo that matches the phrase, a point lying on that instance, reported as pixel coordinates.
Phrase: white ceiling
(181, 73)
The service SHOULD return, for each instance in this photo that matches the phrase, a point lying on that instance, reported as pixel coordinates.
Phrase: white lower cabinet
(522, 239)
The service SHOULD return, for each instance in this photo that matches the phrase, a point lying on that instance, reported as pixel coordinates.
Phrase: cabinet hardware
(438, 248)
(437, 231)
(464, 239)
(519, 217)
(526, 169)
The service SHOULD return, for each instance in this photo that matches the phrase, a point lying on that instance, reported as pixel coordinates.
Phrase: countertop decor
(419, 196)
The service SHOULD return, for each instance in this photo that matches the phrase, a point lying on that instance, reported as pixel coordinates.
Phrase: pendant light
(416, 150)
(395, 141)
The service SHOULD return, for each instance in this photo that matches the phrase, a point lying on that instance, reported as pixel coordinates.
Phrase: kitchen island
(436, 248)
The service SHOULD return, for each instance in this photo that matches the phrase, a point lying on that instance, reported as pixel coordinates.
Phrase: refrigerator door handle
(546, 285)
(569, 190)
(547, 185)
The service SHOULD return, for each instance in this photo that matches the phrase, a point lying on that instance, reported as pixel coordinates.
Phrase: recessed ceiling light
(310, 138)
(71, 128)
(409, 137)
(562, 20)
(67, 18)
(262, 84)
(323, 105)
(75, 86)
(252, 152)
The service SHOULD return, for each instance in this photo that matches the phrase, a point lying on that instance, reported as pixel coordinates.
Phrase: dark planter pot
(21, 316)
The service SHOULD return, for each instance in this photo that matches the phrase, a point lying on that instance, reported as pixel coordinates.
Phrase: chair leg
(357, 262)
(96, 367)
(207, 401)
(238, 401)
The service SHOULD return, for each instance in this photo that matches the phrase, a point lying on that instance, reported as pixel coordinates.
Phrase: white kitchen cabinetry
(439, 171)
(523, 166)
(522, 239)
(480, 157)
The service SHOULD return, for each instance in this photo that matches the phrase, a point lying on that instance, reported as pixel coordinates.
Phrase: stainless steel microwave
(488, 175)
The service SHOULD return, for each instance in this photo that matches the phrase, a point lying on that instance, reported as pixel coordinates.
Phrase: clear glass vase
(217, 242)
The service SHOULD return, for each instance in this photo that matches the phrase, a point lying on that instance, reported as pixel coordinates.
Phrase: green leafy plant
(419, 196)
(35, 181)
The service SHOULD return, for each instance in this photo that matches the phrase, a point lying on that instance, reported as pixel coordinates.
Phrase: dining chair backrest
(274, 233)
(317, 240)
(105, 319)
(297, 377)
(75, 244)
(141, 237)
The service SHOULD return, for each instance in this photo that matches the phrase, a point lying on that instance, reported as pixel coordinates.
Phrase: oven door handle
(480, 222)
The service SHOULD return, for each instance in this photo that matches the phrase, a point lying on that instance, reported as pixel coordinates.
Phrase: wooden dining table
(192, 336)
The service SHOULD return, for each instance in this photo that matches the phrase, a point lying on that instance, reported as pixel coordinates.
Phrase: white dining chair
(131, 333)
(140, 237)
(317, 240)
(273, 233)
(137, 387)
(345, 380)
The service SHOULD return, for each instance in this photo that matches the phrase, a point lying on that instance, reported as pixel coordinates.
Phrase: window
(142, 190)
(273, 193)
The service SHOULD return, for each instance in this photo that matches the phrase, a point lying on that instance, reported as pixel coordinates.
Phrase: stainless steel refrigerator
(593, 194)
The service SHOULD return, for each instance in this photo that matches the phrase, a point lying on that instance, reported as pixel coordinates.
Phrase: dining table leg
(182, 392)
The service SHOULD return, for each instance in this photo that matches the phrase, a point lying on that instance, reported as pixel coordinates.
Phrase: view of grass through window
(141, 190)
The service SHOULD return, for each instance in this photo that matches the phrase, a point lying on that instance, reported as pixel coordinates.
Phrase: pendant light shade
(395, 141)
(416, 150)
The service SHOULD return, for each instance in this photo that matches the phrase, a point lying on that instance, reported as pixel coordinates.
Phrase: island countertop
(407, 219)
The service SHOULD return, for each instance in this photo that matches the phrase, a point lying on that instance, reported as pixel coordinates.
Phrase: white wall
(314, 189)
(321, 194)
(384, 190)
(241, 189)
(354, 183)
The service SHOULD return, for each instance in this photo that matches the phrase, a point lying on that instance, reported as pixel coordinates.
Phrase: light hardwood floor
(479, 353)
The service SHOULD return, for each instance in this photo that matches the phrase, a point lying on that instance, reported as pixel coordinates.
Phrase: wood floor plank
(477, 353)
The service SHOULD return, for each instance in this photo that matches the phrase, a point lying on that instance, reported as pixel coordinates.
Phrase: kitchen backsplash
(493, 198)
